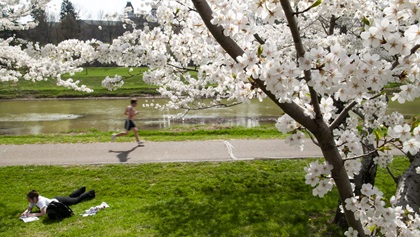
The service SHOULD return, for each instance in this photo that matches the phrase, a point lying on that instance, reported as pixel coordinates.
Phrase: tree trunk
(317, 126)
(329, 150)
(366, 175)
(408, 188)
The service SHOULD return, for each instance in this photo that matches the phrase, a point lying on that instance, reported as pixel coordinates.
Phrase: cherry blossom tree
(324, 63)
(305, 72)
(22, 60)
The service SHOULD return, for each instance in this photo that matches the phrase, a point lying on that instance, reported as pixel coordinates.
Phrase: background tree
(42, 32)
(69, 21)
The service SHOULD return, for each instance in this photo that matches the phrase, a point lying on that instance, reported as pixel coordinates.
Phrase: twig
(357, 157)
(258, 38)
(342, 115)
(412, 51)
(345, 112)
(393, 177)
(215, 106)
(184, 69)
(208, 107)
(294, 29)
(312, 137)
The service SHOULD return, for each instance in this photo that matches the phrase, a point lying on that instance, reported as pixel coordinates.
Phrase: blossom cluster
(383, 159)
(380, 218)
(296, 139)
(397, 33)
(71, 84)
(286, 124)
(15, 11)
(113, 83)
(37, 63)
(410, 140)
(350, 141)
(319, 176)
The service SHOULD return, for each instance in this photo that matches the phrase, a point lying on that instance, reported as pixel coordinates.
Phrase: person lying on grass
(42, 203)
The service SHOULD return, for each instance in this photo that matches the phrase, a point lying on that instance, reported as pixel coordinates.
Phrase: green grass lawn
(180, 133)
(134, 86)
(91, 77)
(244, 198)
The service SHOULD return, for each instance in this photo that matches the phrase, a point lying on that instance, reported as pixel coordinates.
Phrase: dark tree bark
(408, 189)
(367, 175)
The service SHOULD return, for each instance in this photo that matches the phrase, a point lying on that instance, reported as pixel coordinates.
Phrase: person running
(42, 202)
(129, 124)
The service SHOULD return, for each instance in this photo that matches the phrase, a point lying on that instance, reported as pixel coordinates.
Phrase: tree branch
(392, 175)
(183, 69)
(345, 112)
(258, 38)
(342, 115)
(333, 21)
(233, 49)
(412, 51)
(361, 156)
(312, 138)
(293, 26)
(220, 105)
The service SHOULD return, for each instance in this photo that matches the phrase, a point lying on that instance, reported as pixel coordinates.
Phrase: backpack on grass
(58, 211)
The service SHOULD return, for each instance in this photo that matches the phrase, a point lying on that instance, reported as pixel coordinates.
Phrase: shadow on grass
(48, 221)
(123, 155)
(253, 211)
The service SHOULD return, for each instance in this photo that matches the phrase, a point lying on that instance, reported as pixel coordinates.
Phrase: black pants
(75, 197)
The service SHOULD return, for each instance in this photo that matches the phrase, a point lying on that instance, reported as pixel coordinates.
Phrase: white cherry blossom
(400, 132)
(372, 37)
(411, 146)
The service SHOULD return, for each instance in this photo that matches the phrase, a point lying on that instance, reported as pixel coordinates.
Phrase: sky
(90, 9)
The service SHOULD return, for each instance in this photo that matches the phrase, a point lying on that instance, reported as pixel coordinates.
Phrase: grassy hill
(134, 86)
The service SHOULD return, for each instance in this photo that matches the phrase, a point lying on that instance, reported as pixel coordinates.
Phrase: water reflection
(52, 116)
(31, 117)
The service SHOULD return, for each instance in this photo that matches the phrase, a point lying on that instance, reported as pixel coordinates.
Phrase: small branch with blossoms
(315, 4)
(183, 69)
(342, 115)
(412, 51)
(360, 156)
(221, 105)
(189, 8)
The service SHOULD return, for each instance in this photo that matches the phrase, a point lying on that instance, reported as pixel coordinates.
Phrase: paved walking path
(130, 153)
(117, 152)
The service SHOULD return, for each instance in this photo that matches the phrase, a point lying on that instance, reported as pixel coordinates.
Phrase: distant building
(110, 30)
(103, 30)
(129, 10)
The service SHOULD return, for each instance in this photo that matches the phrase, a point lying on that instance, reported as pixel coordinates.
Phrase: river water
(54, 116)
